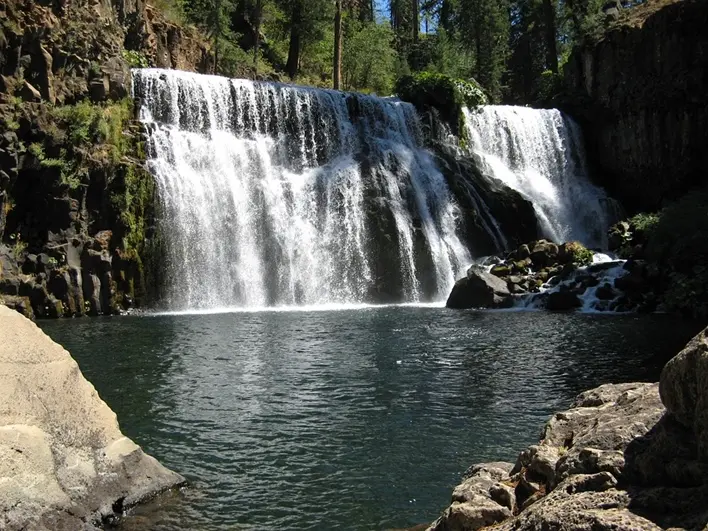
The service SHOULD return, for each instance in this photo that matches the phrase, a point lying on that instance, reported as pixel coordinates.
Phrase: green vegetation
(677, 246)
(514, 48)
(643, 222)
(18, 246)
(135, 59)
(580, 254)
(444, 93)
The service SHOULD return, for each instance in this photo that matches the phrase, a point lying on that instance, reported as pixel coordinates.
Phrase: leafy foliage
(581, 255)
(369, 57)
(678, 246)
(135, 59)
(440, 91)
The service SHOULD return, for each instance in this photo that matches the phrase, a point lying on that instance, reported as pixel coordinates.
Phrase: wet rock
(479, 289)
(605, 292)
(19, 304)
(563, 301)
(500, 271)
(10, 286)
(523, 252)
(29, 266)
(544, 253)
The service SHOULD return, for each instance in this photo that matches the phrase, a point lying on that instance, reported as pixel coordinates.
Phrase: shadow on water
(360, 419)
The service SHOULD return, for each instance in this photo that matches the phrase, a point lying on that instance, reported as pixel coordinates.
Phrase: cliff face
(76, 204)
(643, 102)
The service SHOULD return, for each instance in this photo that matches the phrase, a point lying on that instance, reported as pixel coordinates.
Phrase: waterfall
(540, 154)
(277, 195)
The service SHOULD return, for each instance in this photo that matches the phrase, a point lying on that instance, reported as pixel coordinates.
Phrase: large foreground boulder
(684, 389)
(617, 460)
(480, 289)
(64, 463)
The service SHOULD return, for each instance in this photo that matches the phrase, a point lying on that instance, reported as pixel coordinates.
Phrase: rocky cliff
(640, 93)
(619, 459)
(76, 204)
(64, 464)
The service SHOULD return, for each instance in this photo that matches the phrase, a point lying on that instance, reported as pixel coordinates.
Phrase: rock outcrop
(76, 203)
(619, 459)
(479, 289)
(640, 94)
(64, 464)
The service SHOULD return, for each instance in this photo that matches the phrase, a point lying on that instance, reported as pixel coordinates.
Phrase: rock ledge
(617, 460)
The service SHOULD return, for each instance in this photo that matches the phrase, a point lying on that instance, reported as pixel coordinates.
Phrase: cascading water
(540, 154)
(280, 195)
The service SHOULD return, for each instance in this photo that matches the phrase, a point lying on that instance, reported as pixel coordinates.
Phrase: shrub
(677, 245)
(446, 94)
(135, 59)
(580, 254)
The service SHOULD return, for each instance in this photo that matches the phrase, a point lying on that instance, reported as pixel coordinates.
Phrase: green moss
(446, 94)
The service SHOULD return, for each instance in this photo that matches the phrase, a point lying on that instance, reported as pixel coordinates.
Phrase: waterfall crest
(276, 195)
(539, 153)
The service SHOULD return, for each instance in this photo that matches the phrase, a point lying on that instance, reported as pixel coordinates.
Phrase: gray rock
(63, 461)
(575, 506)
(684, 389)
(480, 289)
(497, 470)
(562, 301)
(482, 512)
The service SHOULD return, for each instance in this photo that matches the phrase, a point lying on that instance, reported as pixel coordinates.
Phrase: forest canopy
(514, 48)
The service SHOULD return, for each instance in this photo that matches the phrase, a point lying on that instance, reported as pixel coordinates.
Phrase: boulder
(615, 461)
(482, 499)
(480, 289)
(64, 462)
(684, 389)
(562, 301)
(544, 253)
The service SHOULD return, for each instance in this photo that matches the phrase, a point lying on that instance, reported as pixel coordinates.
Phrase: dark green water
(356, 419)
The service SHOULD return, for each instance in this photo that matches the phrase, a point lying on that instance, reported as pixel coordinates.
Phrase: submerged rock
(480, 289)
(64, 463)
(563, 301)
(614, 461)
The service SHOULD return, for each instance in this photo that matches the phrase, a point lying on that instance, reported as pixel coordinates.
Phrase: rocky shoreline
(64, 463)
(623, 457)
(555, 277)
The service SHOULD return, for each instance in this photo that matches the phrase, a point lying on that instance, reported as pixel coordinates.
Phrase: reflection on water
(360, 419)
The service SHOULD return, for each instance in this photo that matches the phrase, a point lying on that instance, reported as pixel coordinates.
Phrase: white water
(540, 154)
(274, 195)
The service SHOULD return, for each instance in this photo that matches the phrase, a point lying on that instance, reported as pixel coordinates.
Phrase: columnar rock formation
(618, 459)
(640, 91)
(64, 464)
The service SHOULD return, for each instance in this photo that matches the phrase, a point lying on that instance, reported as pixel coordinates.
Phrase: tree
(337, 70)
(485, 26)
(549, 27)
(369, 58)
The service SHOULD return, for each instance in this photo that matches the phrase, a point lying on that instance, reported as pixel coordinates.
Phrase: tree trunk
(549, 19)
(415, 22)
(293, 63)
(217, 33)
(257, 37)
(337, 73)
